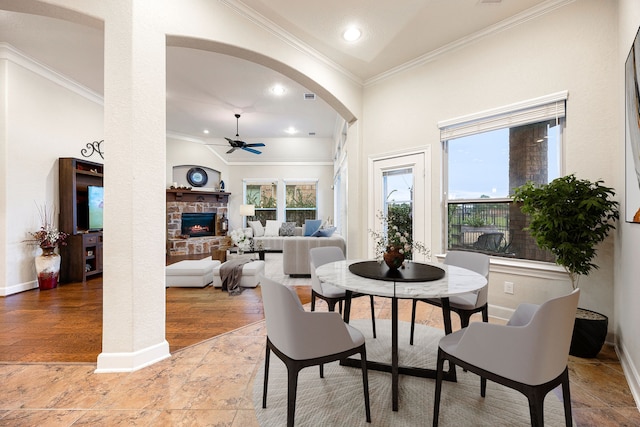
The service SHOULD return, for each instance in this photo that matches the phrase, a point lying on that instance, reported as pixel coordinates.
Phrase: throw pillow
(324, 232)
(272, 228)
(311, 226)
(288, 229)
(257, 228)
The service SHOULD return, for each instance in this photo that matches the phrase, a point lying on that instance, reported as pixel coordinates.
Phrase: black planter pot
(589, 333)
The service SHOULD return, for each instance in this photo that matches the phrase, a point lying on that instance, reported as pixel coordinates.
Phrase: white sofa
(272, 243)
(295, 249)
(295, 252)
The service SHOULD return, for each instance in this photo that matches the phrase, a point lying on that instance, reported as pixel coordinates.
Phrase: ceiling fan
(236, 143)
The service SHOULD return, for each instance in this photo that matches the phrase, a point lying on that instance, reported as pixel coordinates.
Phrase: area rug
(337, 399)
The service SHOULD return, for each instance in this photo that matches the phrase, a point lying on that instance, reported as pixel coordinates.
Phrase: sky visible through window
(398, 186)
(479, 164)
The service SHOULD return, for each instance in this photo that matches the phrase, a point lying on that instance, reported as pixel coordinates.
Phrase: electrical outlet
(508, 288)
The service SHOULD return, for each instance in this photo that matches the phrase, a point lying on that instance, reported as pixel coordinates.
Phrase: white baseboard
(499, 312)
(630, 372)
(16, 289)
(129, 362)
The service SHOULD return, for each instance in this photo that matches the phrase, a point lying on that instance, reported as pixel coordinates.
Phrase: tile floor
(211, 384)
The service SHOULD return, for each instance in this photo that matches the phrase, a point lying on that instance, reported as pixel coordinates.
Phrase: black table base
(394, 367)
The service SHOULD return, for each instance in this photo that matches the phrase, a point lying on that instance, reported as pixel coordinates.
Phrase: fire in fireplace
(198, 224)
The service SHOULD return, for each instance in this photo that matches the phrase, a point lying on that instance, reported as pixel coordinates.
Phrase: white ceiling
(205, 90)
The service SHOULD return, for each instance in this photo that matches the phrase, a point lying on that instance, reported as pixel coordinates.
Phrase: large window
(486, 158)
(264, 196)
(301, 201)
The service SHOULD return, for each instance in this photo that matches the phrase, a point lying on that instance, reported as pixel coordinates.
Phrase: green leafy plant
(569, 217)
(397, 234)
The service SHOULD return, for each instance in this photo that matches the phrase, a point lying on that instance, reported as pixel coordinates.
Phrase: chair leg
(485, 313)
(266, 376)
(438, 391)
(465, 317)
(332, 304)
(313, 300)
(483, 386)
(373, 316)
(321, 370)
(566, 397)
(536, 406)
(292, 387)
(413, 320)
(365, 383)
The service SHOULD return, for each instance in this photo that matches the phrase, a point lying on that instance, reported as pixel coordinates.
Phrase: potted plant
(48, 238)
(395, 244)
(570, 217)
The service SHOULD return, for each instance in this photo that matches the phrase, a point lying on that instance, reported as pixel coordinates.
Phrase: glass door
(400, 190)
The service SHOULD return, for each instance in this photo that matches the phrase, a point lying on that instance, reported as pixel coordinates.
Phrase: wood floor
(65, 324)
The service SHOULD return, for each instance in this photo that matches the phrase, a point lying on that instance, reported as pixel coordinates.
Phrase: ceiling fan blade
(256, 144)
(232, 150)
(251, 150)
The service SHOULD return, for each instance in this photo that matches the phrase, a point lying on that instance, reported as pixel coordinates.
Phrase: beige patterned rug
(337, 399)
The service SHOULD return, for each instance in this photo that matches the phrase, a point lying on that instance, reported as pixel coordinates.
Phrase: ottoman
(250, 273)
(191, 273)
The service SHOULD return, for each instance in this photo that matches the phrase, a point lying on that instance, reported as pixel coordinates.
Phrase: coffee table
(234, 251)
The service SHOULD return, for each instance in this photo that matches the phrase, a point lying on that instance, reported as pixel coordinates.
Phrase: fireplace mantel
(182, 195)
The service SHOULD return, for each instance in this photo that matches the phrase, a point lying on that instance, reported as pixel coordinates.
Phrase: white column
(135, 221)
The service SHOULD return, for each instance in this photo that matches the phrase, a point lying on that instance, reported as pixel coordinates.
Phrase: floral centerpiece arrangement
(395, 242)
(241, 239)
(48, 236)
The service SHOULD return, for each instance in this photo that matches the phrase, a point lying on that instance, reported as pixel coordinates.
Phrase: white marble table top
(456, 281)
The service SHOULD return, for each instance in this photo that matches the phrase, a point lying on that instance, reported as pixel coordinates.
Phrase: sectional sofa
(292, 242)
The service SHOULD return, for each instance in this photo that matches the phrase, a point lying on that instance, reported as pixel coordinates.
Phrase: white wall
(44, 120)
(627, 267)
(184, 152)
(572, 48)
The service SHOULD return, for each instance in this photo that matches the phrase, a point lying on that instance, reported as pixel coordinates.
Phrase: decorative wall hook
(93, 147)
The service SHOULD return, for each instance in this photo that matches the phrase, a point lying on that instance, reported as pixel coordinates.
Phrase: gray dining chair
(301, 339)
(331, 294)
(528, 354)
(466, 304)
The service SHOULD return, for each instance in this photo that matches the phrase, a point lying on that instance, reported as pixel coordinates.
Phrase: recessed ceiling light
(206, 131)
(278, 90)
(291, 130)
(351, 34)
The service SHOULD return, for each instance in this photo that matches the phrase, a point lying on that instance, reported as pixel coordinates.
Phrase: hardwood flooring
(65, 324)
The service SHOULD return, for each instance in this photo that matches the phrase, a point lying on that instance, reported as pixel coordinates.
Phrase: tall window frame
(492, 223)
(301, 200)
(263, 194)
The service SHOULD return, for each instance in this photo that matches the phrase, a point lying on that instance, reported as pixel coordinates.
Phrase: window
(486, 158)
(301, 201)
(264, 196)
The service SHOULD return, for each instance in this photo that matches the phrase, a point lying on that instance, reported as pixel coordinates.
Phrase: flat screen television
(96, 206)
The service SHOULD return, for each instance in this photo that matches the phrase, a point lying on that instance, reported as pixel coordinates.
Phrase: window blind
(535, 110)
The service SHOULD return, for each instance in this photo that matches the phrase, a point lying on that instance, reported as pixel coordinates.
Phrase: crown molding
(10, 53)
(511, 22)
(279, 163)
(273, 28)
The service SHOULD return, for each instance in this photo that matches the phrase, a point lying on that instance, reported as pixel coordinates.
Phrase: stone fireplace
(199, 206)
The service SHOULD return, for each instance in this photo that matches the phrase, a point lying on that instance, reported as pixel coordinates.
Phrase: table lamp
(247, 210)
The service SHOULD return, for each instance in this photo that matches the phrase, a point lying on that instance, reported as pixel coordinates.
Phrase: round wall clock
(197, 177)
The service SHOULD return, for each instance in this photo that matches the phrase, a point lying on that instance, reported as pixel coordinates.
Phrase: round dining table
(413, 281)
